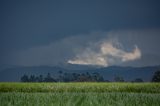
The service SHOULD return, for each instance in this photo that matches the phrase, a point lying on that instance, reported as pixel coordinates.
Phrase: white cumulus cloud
(105, 53)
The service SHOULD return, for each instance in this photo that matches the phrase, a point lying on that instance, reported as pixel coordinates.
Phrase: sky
(87, 32)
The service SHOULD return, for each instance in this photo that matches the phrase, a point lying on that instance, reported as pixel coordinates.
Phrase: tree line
(64, 77)
(83, 77)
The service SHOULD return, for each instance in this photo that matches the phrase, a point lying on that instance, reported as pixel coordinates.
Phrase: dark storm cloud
(36, 23)
(117, 47)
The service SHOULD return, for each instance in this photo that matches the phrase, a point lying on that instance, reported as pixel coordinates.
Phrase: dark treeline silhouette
(156, 76)
(64, 77)
(33, 78)
(138, 80)
(83, 77)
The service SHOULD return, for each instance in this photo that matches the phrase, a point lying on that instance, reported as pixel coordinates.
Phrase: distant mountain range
(128, 73)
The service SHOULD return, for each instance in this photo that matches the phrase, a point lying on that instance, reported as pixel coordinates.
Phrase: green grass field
(79, 94)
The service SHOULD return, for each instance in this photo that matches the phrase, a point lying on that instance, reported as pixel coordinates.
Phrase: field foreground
(79, 94)
(81, 87)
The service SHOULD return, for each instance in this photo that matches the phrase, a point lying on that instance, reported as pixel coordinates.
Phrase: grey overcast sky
(96, 32)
